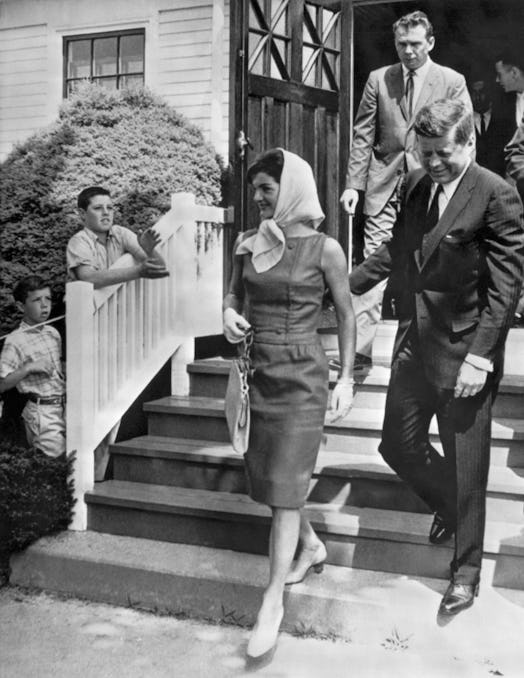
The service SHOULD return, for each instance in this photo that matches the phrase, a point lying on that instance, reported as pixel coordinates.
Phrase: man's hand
(341, 400)
(349, 200)
(42, 365)
(148, 240)
(152, 269)
(470, 381)
(235, 326)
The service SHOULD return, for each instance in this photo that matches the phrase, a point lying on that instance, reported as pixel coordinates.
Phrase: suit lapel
(396, 87)
(455, 206)
(427, 88)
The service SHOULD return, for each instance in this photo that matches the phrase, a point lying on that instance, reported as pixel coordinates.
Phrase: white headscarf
(297, 202)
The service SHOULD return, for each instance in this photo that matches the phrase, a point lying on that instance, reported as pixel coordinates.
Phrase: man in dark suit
(455, 261)
(494, 125)
(383, 147)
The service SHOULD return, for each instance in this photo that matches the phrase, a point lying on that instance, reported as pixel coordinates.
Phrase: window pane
(308, 59)
(108, 83)
(131, 81)
(333, 62)
(105, 57)
(72, 86)
(79, 59)
(280, 25)
(131, 54)
(256, 61)
(281, 46)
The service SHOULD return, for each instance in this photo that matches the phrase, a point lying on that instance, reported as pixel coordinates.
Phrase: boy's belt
(56, 400)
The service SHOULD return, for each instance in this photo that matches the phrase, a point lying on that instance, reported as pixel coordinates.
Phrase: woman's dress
(289, 385)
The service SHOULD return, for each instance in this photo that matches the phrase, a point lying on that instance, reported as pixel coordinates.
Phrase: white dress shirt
(487, 119)
(419, 76)
(519, 108)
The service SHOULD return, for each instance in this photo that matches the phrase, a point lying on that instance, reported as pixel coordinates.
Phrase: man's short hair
(84, 197)
(412, 20)
(438, 118)
(30, 283)
(511, 56)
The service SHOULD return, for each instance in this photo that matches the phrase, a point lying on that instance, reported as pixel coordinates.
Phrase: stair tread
(364, 418)
(204, 562)
(378, 375)
(329, 462)
(501, 537)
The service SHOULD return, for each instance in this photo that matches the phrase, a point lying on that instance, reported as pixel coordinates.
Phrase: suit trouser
(368, 306)
(453, 485)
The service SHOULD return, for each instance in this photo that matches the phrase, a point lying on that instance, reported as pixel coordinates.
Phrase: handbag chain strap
(244, 359)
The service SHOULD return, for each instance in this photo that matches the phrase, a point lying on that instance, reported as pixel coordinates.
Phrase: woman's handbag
(236, 404)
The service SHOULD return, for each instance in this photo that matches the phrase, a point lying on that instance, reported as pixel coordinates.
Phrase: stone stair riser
(509, 405)
(369, 553)
(366, 441)
(356, 439)
(380, 492)
(183, 426)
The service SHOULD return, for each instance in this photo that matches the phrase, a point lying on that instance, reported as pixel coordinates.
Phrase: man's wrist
(479, 362)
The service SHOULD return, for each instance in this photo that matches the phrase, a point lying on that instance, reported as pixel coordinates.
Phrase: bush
(36, 497)
(130, 141)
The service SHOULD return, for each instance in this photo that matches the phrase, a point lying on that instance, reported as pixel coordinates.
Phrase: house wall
(186, 58)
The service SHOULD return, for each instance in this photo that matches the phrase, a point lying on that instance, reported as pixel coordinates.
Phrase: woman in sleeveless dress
(280, 272)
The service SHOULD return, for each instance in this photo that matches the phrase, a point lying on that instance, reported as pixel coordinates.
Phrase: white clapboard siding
(23, 75)
(186, 57)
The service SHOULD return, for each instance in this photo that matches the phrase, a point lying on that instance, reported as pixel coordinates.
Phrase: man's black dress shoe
(458, 597)
(439, 531)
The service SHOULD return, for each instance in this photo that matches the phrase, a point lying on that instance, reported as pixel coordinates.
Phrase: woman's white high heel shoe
(309, 559)
(263, 642)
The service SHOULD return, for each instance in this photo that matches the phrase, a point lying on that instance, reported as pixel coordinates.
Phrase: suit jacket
(490, 145)
(515, 154)
(463, 292)
(384, 142)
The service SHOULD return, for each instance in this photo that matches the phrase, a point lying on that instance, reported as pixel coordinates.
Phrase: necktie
(482, 124)
(432, 218)
(409, 92)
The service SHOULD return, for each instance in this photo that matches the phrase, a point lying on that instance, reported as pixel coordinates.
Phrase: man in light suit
(383, 147)
(455, 261)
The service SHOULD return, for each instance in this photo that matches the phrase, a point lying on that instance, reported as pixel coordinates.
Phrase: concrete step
(360, 431)
(339, 478)
(224, 586)
(208, 378)
(364, 538)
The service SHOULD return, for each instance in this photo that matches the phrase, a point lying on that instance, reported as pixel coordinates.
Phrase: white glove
(234, 325)
(341, 399)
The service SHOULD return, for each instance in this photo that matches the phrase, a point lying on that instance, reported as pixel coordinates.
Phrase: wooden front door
(290, 82)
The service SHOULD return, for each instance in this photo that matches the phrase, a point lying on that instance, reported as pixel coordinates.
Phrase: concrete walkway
(44, 636)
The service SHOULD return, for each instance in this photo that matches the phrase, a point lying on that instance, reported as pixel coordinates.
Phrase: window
(114, 60)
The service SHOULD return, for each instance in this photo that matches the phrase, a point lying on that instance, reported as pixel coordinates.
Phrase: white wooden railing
(119, 337)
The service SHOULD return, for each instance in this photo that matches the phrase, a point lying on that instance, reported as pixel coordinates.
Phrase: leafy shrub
(129, 141)
(36, 497)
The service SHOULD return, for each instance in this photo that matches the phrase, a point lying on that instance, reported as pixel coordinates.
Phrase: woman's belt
(283, 337)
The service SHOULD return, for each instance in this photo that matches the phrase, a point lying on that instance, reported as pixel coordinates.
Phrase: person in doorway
(383, 147)
(493, 126)
(279, 275)
(455, 261)
(31, 361)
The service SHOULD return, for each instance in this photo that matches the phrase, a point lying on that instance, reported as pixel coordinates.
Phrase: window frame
(92, 37)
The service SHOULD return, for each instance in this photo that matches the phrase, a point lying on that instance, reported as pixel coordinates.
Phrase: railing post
(80, 392)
